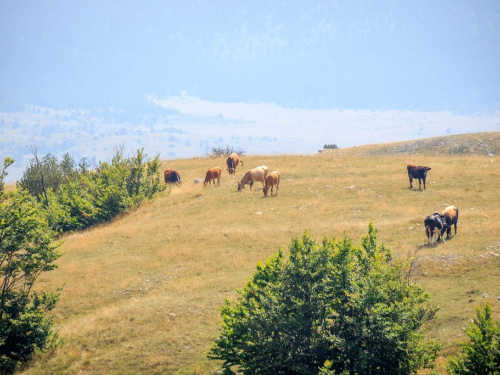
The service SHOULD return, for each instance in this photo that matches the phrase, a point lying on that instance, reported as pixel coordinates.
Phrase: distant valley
(184, 126)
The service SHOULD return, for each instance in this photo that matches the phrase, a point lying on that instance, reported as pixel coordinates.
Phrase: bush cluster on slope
(76, 197)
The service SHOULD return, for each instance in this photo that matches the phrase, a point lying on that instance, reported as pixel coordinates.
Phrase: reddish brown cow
(272, 180)
(232, 162)
(417, 171)
(172, 177)
(213, 174)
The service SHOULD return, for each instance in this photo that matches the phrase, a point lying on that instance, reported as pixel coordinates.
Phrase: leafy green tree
(26, 251)
(482, 352)
(331, 307)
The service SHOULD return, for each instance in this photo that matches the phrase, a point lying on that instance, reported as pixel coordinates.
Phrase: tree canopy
(332, 307)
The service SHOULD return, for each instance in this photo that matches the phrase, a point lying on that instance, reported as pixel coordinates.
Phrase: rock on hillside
(460, 144)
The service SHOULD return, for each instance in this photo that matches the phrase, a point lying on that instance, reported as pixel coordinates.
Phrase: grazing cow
(417, 171)
(213, 174)
(433, 223)
(272, 180)
(258, 174)
(449, 217)
(232, 162)
(172, 177)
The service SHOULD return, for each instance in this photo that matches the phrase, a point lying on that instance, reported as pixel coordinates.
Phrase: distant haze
(416, 55)
(268, 77)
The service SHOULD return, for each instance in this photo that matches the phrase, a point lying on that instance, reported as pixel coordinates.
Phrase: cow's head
(231, 170)
(265, 190)
(240, 186)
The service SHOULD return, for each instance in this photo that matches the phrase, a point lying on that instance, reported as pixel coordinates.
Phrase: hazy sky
(424, 55)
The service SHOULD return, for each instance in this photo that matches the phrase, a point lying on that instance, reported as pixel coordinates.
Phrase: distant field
(141, 294)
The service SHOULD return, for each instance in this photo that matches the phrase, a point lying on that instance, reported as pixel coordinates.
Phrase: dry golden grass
(141, 294)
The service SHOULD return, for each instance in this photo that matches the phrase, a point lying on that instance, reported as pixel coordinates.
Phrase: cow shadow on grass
(436, 243)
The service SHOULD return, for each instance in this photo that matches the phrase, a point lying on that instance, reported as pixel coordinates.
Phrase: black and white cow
(433, 224)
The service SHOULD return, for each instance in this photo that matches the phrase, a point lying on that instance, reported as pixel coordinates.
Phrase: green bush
(333, 307)
(482, 352)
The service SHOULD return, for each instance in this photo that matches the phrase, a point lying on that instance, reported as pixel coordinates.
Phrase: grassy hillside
(141, 294)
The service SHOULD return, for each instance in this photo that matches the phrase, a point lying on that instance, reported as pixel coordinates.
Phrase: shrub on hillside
(482, 352)
(54, 172)
(217, 152)
(330, 146)
(331, 306)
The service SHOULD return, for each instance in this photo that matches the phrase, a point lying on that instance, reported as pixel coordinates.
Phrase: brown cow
(258, 174)
(272, 180)
(417, 171)
(172, 177)
(213, 174)
(449, 217)
(232, 162)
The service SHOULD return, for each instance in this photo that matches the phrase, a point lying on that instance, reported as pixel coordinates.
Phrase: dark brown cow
(449, 217)
(232, 162)
(213, 174)
(272, 180)
(172, 177)
(417, 171)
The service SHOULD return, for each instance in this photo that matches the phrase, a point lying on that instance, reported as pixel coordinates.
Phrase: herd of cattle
(436, 223)
(258, 174)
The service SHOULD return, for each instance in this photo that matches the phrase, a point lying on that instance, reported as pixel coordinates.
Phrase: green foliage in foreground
(332, 307)
(79, 197)
(482, 352)
(26, 250)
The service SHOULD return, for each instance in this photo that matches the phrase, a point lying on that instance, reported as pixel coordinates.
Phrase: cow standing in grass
(258, 174)
(232, 162)
(213, 175)
(433, 225)
(417, 171)
(171, 176)
(272, 180)
(449, 217)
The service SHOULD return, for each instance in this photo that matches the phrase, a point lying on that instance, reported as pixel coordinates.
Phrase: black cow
(433, 223)
(417, 171)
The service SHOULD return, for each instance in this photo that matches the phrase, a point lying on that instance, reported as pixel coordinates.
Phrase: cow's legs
(424, 182)
(411, 180)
